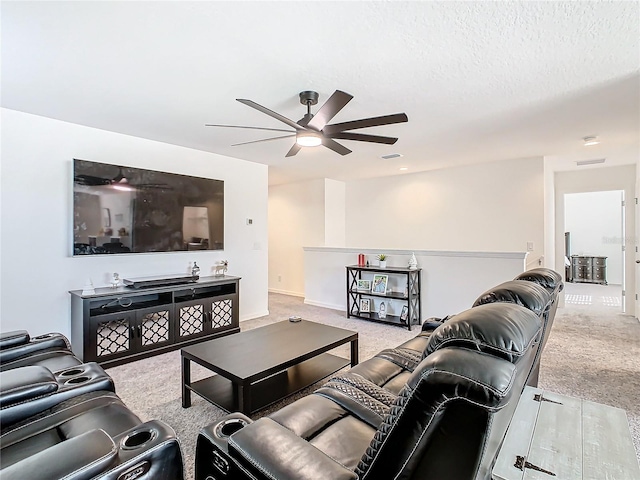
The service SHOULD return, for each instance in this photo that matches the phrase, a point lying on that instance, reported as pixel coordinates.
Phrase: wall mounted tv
(119, 209)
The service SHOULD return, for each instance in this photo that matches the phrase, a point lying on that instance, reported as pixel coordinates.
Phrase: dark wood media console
(119, 325)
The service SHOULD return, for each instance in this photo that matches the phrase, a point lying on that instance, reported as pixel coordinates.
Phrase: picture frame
(382, 310)
(364, 285)
(379, 284)
(404, 315)
(365, 305)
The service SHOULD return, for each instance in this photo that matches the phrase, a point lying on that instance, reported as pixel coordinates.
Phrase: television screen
(119, 209)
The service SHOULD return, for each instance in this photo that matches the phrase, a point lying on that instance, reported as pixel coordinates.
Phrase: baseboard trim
(286, 292)
(251, 316)
(332, 306)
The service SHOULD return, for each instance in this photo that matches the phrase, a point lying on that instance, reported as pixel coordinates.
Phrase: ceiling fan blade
(271, 113)
(242, 126)
(331, 107)
(360, 137)
(365, 122)
(264, 140)
(295, 149)
(335, 146)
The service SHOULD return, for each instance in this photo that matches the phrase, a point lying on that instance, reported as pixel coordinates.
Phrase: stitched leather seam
(493, 347)
(231, 441)
(59, 412)
(251, 461)
(94, 462)
(21, 387)
(137, 458)
(51, 394)
(39, 354)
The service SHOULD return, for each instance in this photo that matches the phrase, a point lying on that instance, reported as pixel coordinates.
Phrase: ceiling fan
(313, 130)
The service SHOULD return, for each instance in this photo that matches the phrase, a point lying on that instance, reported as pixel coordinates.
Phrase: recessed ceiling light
(391, 155)
(402, 169)
(591, 140)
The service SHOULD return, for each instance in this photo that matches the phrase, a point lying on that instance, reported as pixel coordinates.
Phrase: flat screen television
(118, 209)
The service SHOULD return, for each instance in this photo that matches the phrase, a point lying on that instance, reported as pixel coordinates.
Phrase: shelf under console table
(118, 325)
(405, 294)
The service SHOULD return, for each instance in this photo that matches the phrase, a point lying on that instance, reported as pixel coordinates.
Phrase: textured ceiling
(479, 81)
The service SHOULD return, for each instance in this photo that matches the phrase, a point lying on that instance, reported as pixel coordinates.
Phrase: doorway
(594, 250)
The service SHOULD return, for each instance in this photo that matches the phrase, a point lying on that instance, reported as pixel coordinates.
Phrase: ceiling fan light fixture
(308, 139)
(591, 140)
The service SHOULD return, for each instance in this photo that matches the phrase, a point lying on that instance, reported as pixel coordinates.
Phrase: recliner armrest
(78, 458)
(14, 338)
(24, 384)
(270, 451)
(33, 345)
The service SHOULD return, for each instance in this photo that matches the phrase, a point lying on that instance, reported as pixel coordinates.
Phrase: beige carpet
(593, 356)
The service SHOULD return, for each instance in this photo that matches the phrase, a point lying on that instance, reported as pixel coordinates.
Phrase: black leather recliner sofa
(436, 407)
(61, 419)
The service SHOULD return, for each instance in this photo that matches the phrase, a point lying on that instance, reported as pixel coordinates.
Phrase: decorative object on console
(380, 283)
(361, 260)
(413, 262)
(88, 288)
(221, 268)
(404, 314)
(365, 305)
(115, 282)
(382, 310)
(195, 270)
(364, 285)
(382, 260)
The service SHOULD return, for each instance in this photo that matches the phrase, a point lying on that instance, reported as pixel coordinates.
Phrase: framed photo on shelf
(365, 305)
(364, 285)
(380, 283)
(404, 315)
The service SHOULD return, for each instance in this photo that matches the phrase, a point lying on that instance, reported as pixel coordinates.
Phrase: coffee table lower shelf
(221, 391)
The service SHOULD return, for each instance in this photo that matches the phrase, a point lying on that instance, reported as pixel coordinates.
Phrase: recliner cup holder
(77, 380)
(71, 373)
(228, 427)
(138, 439)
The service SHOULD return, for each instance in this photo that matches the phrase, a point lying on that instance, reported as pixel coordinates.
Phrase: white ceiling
(479, 81)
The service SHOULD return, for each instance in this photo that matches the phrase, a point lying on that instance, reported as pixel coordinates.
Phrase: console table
(405, 297)
(119, 325)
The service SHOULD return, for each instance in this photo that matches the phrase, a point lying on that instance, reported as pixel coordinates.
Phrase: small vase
(382, 264)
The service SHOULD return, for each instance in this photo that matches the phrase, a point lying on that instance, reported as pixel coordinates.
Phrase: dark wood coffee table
(261, 366)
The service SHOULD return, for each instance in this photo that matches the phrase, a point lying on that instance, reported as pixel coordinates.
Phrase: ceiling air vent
(590, 162)
(391, 155)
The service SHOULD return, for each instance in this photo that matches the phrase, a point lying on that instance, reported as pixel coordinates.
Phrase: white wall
(594, 220)
(496, 206)
(334, 213)
(37, 267)
(296, 220)
(595, 179)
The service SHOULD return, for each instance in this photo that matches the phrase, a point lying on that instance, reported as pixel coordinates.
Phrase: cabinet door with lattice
(111, 335)
(154, 327)
(222, 313)
(192, 317)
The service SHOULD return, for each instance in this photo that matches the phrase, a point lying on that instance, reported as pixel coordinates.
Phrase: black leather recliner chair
(446, 422)
(89, 436)
(68, 423)
(52, 350)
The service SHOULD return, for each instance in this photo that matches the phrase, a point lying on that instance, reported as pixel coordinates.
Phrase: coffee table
(258, 367)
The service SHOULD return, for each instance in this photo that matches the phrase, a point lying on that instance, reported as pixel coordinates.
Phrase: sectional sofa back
(451, 417)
